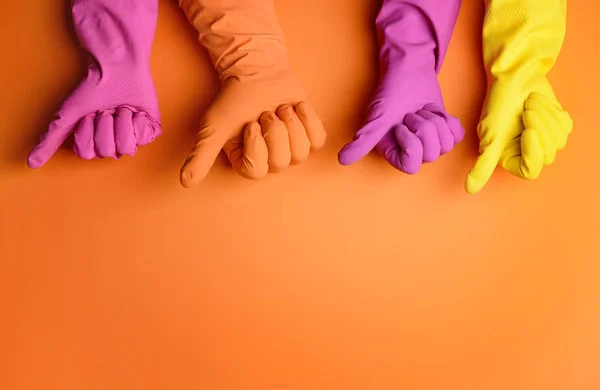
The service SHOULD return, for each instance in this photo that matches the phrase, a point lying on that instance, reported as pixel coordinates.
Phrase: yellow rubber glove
(522, 125)
(260, 117)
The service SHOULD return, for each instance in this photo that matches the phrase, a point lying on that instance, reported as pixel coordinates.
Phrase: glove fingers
(278, 141)
(83, 145)
(388, 147)
(255, 163)
(312, 123)
(367, 138)
(550, 116)
(144, 130)
(533, 121)
(156, 129)
(444, 134)
(299, 140)
(403, 150)
(104, 135)
(454, 125)
(529, 161)
(202, 156)
(248, 154)
(58, 131)
(536, 99)
(484, 167)
(124, 132)
(427, 133)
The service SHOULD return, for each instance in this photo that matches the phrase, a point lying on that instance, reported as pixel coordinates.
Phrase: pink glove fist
(407, 122)
(115, 107)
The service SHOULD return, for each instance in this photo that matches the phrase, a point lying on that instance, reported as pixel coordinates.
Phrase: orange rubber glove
(260, 118)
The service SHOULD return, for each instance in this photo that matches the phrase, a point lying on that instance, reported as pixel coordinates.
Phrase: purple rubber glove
(407, 122)
(115, 107)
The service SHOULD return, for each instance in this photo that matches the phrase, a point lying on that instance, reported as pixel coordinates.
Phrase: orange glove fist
(260, 117)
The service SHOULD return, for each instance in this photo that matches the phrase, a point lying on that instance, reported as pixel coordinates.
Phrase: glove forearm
(523, 36)
(116, 31)
(401, 34)
(243, 37)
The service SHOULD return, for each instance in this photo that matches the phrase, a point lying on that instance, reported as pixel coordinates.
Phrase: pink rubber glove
(407, 121)
(115, 107)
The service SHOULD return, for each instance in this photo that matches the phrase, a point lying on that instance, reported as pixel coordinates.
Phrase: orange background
(112, 276)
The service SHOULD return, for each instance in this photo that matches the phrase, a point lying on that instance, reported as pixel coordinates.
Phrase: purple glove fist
(115, 107)
(407, 122)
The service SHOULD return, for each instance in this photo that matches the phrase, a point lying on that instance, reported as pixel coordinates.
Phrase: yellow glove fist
(522, 125)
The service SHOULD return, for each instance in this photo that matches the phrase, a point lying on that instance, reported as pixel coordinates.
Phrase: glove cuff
(523, 36)
(243, 38)
(417, 29)
(116, 33)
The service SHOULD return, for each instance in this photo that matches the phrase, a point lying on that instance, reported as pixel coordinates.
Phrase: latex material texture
(260, 118)
(406, 121)
(523, 125)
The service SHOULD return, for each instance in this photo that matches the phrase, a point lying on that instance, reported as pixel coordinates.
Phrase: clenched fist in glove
(114, 109)
(260, 118)
(523, 125)
(407, 122)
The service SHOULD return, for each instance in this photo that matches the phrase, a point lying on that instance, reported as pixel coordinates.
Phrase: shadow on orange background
(112, 276)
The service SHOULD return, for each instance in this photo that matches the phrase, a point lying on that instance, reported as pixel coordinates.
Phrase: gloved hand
(260, 117)
(522, 125)
(407, 121)
(115, 108)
